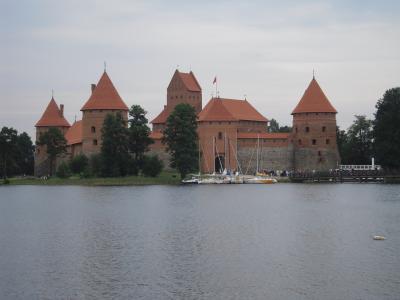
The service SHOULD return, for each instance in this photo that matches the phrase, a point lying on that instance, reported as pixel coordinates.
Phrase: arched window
(327, 141)
(307, 129)
(93, 129)
(220, 135)
(95, 142)
(323, 128)
(314, 142)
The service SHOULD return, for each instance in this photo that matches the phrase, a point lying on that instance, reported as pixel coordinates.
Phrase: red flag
(215, 80)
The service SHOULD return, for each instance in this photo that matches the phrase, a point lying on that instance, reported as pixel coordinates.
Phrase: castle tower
(53, 117)
(103, 100)
(183, 88)
(314, 131)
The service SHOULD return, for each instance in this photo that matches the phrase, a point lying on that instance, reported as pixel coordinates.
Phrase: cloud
(263, 49)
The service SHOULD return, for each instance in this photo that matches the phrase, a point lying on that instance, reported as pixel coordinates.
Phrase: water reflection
(238, 242)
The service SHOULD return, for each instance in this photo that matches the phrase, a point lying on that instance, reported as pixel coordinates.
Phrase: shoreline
(165, 178)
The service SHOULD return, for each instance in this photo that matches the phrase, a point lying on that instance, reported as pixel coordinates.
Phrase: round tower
(53, 117)
(103, 100)
(314, 132)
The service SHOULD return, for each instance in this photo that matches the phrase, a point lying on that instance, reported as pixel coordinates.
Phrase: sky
(265, 51)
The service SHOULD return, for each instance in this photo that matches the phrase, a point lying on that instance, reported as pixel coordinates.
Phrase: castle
(232, 134)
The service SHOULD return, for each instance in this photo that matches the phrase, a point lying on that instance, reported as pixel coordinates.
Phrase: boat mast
(213, 156)
(258, 146)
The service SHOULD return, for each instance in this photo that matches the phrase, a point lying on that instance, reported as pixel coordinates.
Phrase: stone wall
(270, 158)
(159, 149)
(312, 159)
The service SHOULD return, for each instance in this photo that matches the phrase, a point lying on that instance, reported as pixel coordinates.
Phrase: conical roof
(52, 116)
(314, 100)
(105, 96)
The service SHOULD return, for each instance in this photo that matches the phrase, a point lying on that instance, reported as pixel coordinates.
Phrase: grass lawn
(163, 179)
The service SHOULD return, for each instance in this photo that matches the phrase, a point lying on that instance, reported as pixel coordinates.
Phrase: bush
(78, 164)
(6, 181)
(152, 166)
(63, 170)
(95, 165)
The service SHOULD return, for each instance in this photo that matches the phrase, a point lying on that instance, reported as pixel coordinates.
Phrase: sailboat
(259, 178)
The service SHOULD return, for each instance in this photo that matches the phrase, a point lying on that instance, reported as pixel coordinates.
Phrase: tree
(25, 154)
(180, 136)
(63, 170)
(114, 148)
(359, 141)
(8, 147)
(152, 166)
(274, 127)
(386, 129)
(139, 135)
(55, 143)
(342, 142)
(78, 164)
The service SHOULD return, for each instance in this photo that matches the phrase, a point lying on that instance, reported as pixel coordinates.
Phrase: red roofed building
(232, 131)
(53, 117)
(103, 100)
(314, 131)
(183, 88)
(83, 136)
(233, 135)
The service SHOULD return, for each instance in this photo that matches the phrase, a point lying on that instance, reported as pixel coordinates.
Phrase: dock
(342, 176)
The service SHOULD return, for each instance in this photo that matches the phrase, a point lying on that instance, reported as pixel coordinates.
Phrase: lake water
(282, 241)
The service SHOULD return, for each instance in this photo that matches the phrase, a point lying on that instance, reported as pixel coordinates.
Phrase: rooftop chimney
(93, 86)
(62, 110)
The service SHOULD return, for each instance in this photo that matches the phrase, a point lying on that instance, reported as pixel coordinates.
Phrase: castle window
(95, 142)
(323, 128)
(220, 135)
(93, 129)
(307, 129)
(319, 153)
(299, 142)
(327, 141)
(296, 129)
(314, 142)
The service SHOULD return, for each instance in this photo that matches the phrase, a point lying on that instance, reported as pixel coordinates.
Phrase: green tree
(139, 136)
(180, 136)
(25, 154)
(274, 127)
(386, 129)
(55, 143)
(8, 147)
(359, 141)
(343, 145)
(78, 164)
(114, 148)
(63, 170)
(152, 166)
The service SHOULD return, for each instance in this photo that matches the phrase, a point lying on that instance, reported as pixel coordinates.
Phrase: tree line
(378, 137)
(16, 153)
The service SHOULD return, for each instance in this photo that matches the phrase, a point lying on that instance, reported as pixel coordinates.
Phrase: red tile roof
(74, 133)
(314, 100)
(190, 81)
(52, 116)
(105, 96)
(161, 118)
(219, 109)
(155, 135)
(254, 135)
